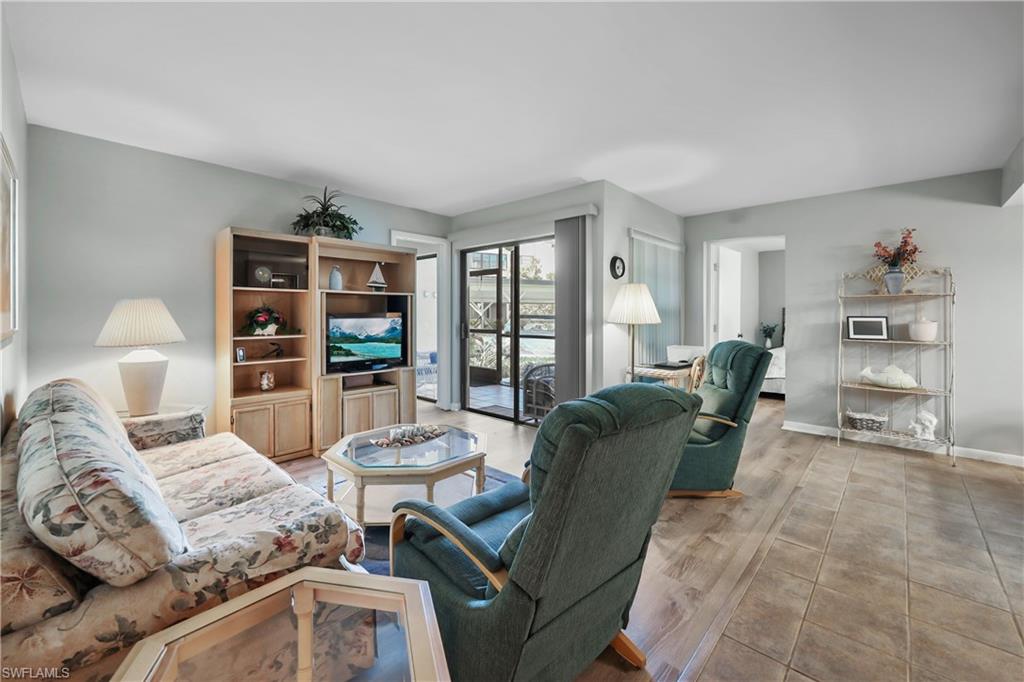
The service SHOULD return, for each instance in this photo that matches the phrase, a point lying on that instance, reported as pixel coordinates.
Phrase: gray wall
(960, 224)
(771, 272)
(112, 221)
(1013, 175)
(14, 354)
(624, 210)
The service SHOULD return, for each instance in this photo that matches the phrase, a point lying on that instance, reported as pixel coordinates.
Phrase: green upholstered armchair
(733, 373)
(533, 580)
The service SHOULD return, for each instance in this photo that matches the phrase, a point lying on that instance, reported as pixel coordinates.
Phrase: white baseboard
(966, 453)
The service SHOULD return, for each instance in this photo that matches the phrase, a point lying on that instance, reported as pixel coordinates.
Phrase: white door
(730, 273)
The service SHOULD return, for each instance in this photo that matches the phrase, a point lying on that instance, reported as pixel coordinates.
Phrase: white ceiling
(454, 107)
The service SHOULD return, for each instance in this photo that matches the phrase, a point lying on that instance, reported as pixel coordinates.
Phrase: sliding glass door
(508, 330)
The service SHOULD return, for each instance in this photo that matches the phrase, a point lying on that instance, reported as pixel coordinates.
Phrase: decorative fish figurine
(890, 377)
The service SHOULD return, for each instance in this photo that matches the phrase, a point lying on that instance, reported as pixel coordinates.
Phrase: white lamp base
(142, 377)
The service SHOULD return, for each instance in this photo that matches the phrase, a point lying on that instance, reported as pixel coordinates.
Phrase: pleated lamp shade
(137, 322)
(634, 305)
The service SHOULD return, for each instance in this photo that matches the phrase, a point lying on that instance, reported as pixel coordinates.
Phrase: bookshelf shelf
(269, 361)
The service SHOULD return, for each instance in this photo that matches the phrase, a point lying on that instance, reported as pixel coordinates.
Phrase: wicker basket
(865, 421)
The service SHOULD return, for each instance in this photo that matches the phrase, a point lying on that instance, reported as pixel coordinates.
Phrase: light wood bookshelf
(309, 409)
(341, 405)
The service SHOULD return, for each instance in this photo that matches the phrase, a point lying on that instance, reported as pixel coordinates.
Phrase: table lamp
(139, 323)
(633, 305)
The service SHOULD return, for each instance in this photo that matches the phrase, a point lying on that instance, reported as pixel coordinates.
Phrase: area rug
(376, 538)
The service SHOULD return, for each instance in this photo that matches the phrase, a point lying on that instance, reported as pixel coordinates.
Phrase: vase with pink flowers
(904, 253)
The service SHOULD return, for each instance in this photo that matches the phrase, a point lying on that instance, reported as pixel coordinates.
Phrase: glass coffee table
(312, 624)
(363, 463)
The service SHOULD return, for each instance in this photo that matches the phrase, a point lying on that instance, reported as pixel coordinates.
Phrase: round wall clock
(263, 275)
(618, 267)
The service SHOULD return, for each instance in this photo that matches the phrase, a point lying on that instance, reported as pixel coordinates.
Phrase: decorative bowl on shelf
(923, 330)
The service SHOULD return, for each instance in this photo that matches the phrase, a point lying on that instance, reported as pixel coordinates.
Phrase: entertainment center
(325, 363)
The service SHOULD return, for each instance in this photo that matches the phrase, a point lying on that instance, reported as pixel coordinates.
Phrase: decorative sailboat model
(376, 280)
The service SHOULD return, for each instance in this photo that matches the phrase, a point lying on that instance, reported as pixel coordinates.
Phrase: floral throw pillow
(85, 497)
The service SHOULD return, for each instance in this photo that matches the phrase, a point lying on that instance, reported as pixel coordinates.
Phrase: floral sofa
(112, 533)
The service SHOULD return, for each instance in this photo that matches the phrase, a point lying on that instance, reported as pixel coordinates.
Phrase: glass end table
(312, 624)
(362, 462)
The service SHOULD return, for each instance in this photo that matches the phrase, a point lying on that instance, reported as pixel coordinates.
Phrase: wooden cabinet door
(330, 412)
(291, 427)
(357, 412)
(407, 396)
(255, 425)
(385, 408)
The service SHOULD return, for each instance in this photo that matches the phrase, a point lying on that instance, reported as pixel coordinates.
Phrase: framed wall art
(8, 245)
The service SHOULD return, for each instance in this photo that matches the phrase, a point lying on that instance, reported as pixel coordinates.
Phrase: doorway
(730, 295)
(426, 327)
(508, 330)
(745, 285)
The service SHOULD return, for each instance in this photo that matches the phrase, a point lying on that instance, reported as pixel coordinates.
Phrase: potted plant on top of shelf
(326, 219)
(904, 253)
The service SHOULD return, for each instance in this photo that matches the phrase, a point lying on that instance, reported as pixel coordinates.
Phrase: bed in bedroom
(775, 378)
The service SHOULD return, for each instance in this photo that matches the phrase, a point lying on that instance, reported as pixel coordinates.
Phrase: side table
(327, 623)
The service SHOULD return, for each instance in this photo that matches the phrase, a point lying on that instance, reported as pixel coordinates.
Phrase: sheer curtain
(658, 264)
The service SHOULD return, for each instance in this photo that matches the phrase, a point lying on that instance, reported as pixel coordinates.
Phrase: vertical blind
(659, 265)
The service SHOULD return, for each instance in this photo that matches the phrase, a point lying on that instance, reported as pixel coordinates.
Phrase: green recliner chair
(733, 373)
(533, 581)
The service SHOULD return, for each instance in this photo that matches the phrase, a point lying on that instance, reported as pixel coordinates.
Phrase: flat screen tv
(357, 343)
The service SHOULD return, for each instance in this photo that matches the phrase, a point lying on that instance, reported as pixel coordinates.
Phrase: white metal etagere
(926, 291)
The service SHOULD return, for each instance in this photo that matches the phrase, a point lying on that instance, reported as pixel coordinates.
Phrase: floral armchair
(202, 520)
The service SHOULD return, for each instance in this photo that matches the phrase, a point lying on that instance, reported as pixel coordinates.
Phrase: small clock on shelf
(617, 267)
(263, 275)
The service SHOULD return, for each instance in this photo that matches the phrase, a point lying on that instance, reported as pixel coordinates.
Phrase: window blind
(658, 264)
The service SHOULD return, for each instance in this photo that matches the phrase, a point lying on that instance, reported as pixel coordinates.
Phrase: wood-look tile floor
(890, 565)
(852, 563)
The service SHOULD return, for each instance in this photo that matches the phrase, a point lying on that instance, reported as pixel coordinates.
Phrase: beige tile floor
(889, 566)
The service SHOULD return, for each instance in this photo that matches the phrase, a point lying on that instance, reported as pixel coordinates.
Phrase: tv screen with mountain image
(364, 339)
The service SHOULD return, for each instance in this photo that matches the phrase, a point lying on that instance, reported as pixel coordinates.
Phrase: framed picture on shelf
(240, 354)
(869, 328)
(284, 280)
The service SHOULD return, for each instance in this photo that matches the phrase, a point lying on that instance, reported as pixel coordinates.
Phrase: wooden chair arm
(718, 420)
(497, 578)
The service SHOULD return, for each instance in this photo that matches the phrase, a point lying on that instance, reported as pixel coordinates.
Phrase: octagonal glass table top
(312, 624)
(453, 444)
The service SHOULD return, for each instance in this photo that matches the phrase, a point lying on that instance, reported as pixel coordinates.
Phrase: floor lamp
(633, 305)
